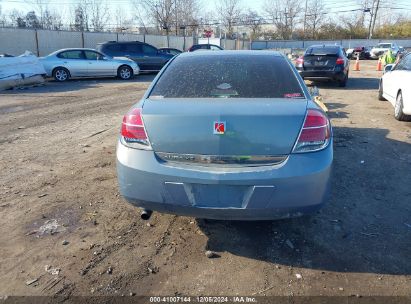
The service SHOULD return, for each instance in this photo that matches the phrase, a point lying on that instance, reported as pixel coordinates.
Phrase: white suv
(381, 48)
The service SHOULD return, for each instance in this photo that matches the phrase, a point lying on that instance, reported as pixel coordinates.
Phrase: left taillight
(340, 61)
(133, 132)
(315, 134)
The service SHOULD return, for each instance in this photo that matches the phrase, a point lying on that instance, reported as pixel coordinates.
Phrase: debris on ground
(298, 276)
(65, 242)
(51, 270)
(29, 282)
(109, 270)
(211, 254)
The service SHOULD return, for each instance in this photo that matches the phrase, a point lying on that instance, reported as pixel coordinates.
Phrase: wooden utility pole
(375, 17)
(305, 18)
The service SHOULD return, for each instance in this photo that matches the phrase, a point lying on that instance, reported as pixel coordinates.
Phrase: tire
(380, 92)
(343, 83)
(398, 113)
(125, 72)
(61, 74)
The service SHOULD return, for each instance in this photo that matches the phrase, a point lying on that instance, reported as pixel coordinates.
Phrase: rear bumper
(296, 187)
(331, 75)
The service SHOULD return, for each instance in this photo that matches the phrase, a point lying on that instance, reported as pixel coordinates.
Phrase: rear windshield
(254, 76)
(322, 51)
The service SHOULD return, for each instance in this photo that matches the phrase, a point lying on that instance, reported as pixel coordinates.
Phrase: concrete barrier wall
(50, 41)
(16, 41)
(346, 43)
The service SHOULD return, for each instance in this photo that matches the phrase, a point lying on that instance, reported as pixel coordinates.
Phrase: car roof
(76, 49)
(232, 53)
(121, 42)
(73, 49)
(324, 46)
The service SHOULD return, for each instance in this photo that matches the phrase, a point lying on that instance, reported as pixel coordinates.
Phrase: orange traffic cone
(357, 65)
(379, 65)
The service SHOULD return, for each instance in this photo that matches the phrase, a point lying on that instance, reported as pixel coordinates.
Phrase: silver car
(231, 135)
(66, 63)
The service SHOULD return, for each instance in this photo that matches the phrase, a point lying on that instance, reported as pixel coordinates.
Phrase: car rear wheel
(61, 74)
(343, 82)
(398, 109)
(380, 92)
(125, 72)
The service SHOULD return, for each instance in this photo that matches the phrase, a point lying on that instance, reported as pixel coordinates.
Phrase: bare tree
(160, 12)
(229, 12)
(99, 14)
(81, 16)
(284, 15)
(315, 16)
(186, 14)
(17, 18)
(51, 20)
(254, 21)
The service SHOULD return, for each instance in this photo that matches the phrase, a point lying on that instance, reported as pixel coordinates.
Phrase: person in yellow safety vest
(388, 58)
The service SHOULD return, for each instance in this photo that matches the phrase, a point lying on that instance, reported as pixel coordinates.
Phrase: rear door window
(133, 48)
(90, 55)
(149, 50)
(77, 54)
(245, 76)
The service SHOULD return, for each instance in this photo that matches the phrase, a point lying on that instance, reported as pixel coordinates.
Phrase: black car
(324, 62)
(205, 47)
(360, 52)
(148, 58)
(171, 51)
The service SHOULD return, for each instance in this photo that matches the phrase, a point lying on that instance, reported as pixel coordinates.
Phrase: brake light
(132, 130)
(300, 61)
(315, 134)
(340, 61)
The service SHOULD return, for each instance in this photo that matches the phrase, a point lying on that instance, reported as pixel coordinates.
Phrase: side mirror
(388, 68)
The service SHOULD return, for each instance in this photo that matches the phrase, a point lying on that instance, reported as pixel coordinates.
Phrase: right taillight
(315, 134)
(133, 132)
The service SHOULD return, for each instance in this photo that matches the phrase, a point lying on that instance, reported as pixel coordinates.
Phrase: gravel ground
(64, 225)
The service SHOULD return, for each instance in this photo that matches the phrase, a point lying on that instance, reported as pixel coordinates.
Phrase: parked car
(360, 52)
(67, 63)
(324, 62)
(205, 47)
(381, 48)
(171, 51)
(226, 135)
(148, 57)
(395, 87)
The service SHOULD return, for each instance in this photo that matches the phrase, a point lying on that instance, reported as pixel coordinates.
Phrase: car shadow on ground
(354, 83)
(336, 110)
(364, 227)
(50, 85)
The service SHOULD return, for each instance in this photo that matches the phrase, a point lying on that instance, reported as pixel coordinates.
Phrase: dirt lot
(58, 183)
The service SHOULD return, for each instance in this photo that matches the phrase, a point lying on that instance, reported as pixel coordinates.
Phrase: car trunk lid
(320, 62)
(252, 127)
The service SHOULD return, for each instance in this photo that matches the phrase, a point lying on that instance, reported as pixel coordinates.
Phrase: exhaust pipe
(146, 214)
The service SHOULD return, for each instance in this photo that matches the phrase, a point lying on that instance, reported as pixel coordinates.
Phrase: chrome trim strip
(222, 160)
